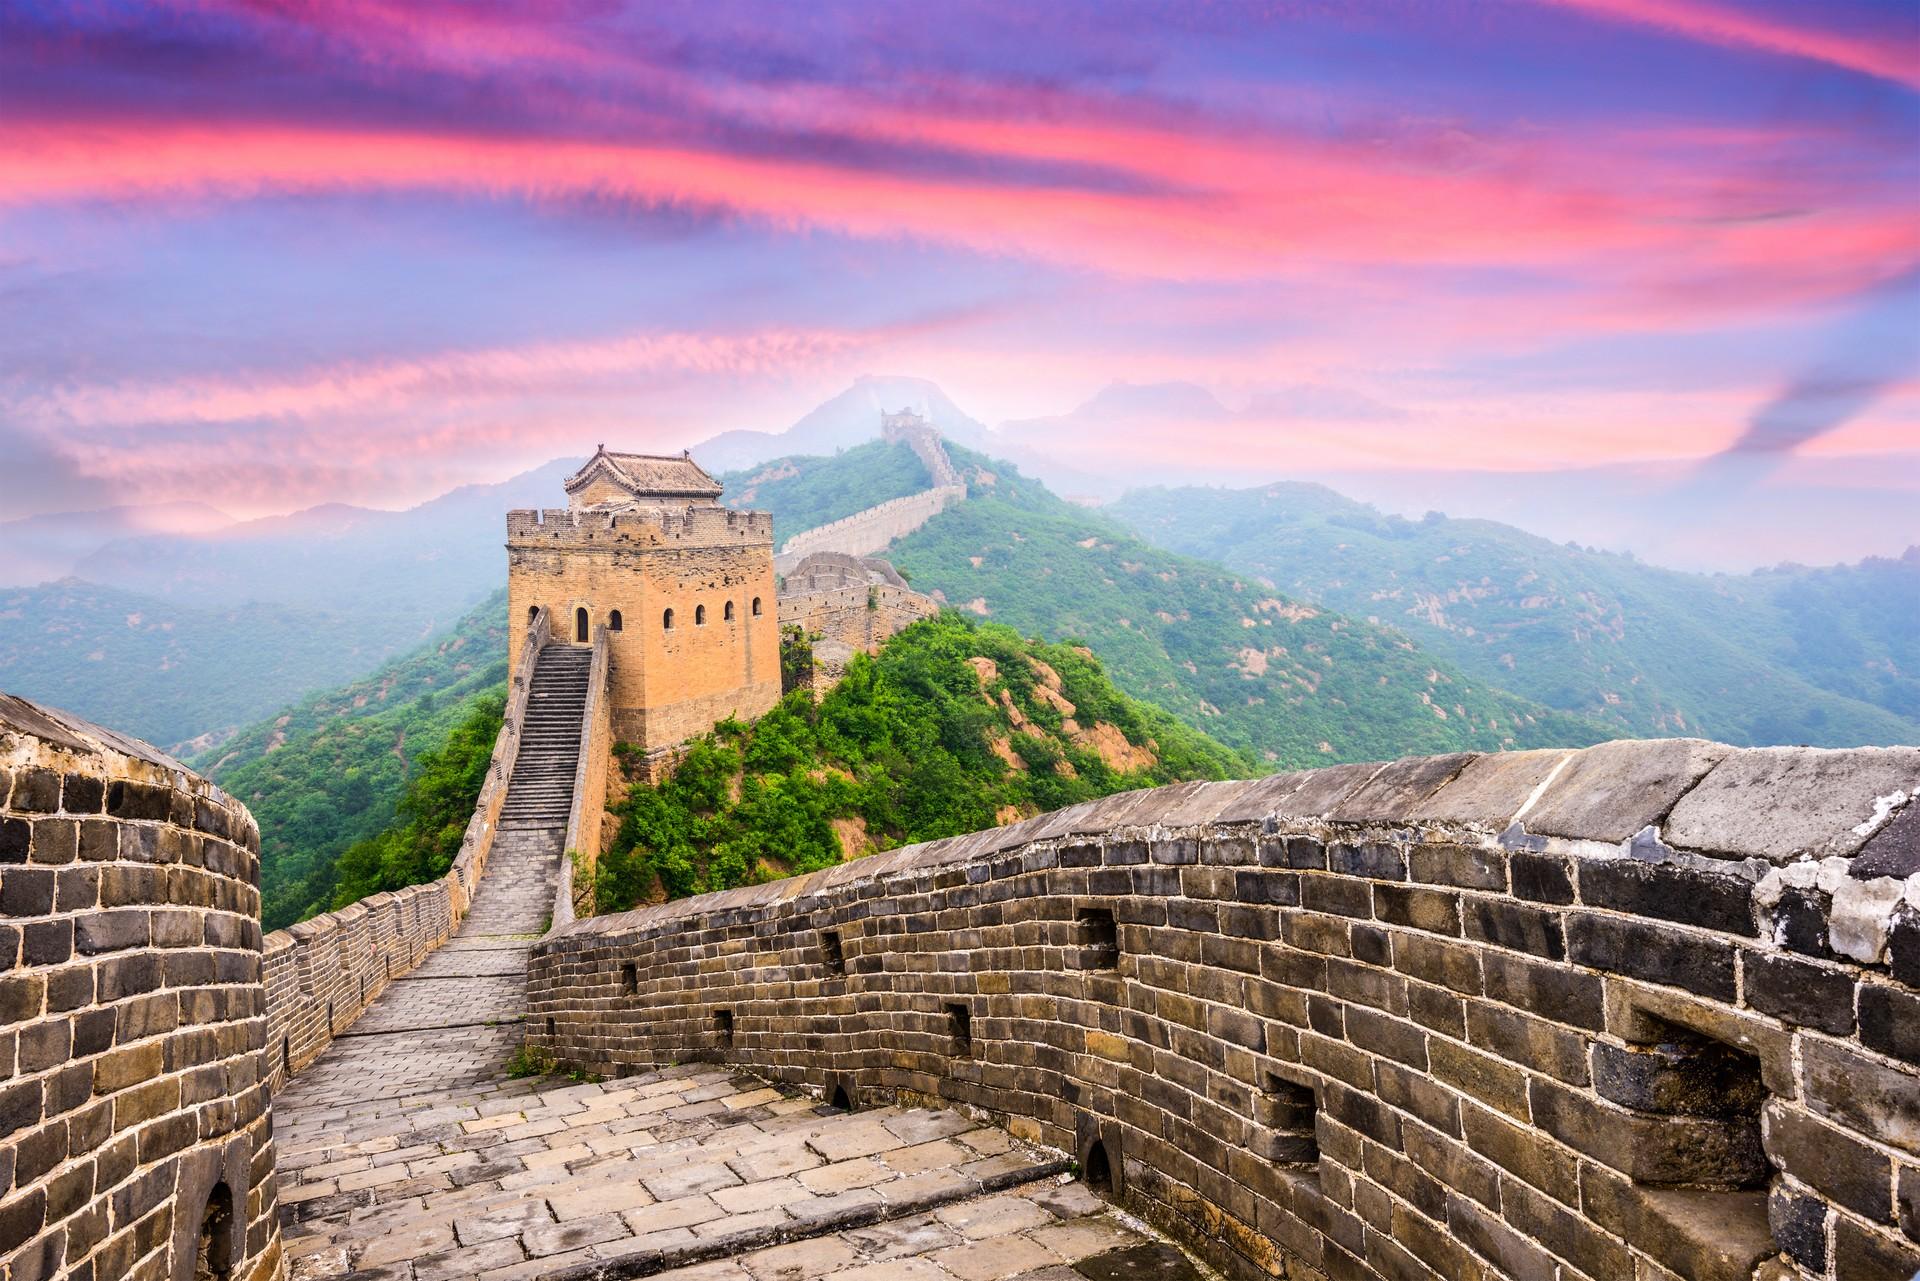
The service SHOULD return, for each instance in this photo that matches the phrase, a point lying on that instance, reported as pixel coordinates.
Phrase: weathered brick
(1799, 991)
(1890, 1021)
(1667, 891)
(16, 839)
(111, 931)
(82, 794)
(1550, 991)
(1516, 926)
(36, 790)
(1435, 911)
(1799, 1225)
(1657, 953)
(1859, 1255)
(1829, 1161)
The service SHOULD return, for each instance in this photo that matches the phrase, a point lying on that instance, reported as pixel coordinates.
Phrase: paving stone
(406, 1150)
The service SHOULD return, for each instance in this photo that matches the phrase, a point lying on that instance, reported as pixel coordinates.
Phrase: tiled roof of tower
(650, 475)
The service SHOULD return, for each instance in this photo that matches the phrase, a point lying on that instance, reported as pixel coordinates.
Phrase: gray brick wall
(322, 973)
(133, 1098)
(1646, 1010)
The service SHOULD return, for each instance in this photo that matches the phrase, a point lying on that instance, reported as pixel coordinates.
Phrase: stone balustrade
(1644, 1010)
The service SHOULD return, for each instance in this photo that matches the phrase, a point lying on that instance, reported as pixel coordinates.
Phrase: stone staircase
(540, 791)
(426, 1145)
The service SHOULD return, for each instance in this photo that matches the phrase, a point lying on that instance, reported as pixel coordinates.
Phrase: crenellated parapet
(638, 526)
(1644, 1009)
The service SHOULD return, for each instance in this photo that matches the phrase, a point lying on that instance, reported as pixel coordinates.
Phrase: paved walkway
(407, 1153)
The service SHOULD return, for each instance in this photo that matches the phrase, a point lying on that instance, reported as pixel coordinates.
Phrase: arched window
(533, 612)
(699, 615)
(580, 625)
(666, 620)
(729, 614)
(756, 607)
(613, 621)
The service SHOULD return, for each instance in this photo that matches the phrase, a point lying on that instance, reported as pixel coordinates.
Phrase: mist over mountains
(147, 604)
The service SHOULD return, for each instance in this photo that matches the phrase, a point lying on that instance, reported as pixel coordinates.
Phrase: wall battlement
(644, 526)
(1640, 1010)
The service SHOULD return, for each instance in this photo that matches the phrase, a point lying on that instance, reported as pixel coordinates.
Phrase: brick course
(135, 1103)
(1339, 1040)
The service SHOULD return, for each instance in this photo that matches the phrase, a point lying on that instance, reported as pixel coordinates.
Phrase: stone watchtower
(683, 586)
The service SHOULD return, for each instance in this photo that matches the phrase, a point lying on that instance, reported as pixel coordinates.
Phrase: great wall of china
(868, 532)
(1635, 1012)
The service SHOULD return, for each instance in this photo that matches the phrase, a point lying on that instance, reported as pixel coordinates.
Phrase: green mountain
(805, 492)
(331, 770)
(1793, 655)
(178, 675)
(1288, 684)
(954, 726)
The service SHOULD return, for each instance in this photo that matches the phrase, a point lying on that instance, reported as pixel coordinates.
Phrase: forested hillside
(1822, 656)
(954, 726)
(330, 771)
(1288, 683)
(805, 492)
(176, 674)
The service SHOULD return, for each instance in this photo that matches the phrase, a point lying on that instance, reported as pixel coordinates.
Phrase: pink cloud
(1212, 210)
(394, 386)
(1887, 55)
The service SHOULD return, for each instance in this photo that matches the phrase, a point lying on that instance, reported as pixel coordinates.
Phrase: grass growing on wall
(903, 749)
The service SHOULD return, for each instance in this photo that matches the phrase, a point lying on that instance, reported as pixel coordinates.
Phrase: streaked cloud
(357, 249)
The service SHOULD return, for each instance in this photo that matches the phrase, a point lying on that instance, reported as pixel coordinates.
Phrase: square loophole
(1287, 1112)
(723, 1028)
(1099, 938)
(629, 979)
(960, 1030)
(832, 953)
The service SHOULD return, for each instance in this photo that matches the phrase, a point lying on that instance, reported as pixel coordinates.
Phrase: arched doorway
(580, 625)
(1097, 1170)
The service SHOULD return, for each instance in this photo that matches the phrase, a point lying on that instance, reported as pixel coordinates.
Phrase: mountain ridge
(1645, 649)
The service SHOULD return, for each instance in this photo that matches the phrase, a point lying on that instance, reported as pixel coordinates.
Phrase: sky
(262, 255)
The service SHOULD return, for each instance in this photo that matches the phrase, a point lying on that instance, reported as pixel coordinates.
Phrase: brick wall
(861, 616)
(867, 532)
(322, 973)
(133, 1098)
(1646, 1010)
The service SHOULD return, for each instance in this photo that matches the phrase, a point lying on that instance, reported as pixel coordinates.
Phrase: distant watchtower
(684, 587)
